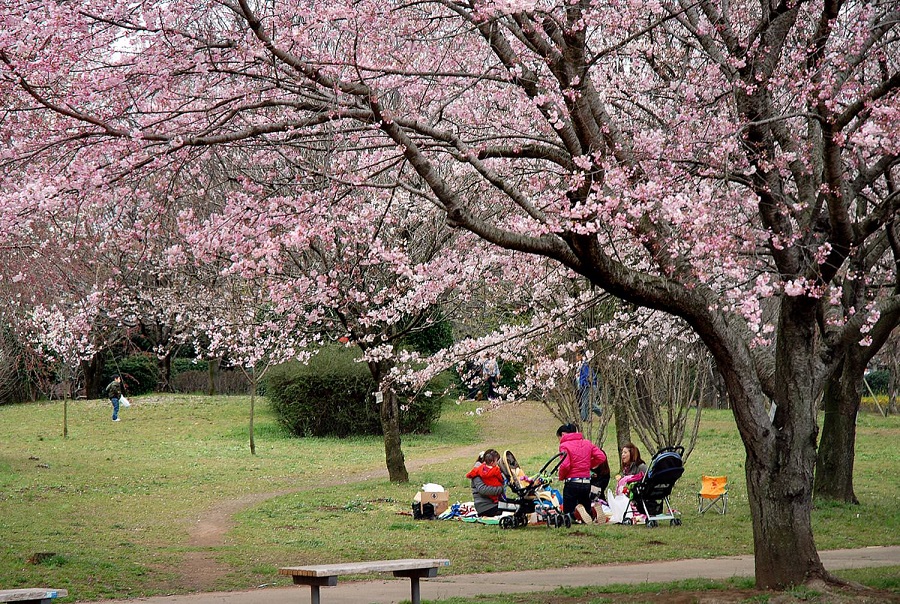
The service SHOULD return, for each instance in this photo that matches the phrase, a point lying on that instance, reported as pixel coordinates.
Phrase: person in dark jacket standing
(587, 388)
(575, 471)
(114, 391)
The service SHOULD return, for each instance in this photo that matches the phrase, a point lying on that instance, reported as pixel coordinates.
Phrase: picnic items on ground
(431, 501)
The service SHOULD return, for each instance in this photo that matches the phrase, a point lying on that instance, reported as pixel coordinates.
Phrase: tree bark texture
(389, 411)
(212, 369)
(834, 464)
(253, 383)
(781, 459)
(390, 424)
(781, 505)
(93, 373)
(164, 365)
(623, 423)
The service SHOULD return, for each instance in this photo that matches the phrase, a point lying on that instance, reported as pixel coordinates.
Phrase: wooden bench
(32, 596)
(326, 574)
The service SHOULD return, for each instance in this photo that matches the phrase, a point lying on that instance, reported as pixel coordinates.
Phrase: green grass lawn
(115, 502)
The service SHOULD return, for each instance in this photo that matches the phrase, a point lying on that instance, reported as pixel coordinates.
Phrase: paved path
(396, 590)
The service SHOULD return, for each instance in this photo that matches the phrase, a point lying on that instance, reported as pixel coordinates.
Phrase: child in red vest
(487, 483)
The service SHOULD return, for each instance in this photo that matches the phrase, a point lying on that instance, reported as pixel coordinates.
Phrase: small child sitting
(487, 469)
(487, 483)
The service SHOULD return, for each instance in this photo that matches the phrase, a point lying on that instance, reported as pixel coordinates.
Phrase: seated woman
(487, 483)
(633, 467)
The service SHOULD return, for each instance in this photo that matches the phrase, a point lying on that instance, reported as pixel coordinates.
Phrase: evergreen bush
(878, 381)
(182, 364)
(140, 373)
(433, 338)
(334, 396)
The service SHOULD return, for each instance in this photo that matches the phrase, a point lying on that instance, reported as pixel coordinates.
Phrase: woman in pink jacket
(575, 471)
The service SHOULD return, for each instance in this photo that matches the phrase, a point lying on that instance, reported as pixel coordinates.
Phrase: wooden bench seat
(326, 574)
(35, 595)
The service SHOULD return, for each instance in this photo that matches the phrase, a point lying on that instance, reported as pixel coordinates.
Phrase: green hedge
(878, 381)
(333, 396)
(140, 373)
(435, 337)
(183, 364)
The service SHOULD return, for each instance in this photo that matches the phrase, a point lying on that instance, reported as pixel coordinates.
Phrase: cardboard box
(439, 499)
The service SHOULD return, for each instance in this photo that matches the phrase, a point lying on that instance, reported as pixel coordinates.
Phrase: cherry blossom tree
(889, 360)
(236, 321)
(861, 287)
(710, 160)
(64, 336)
(53, 265)
(373, 278)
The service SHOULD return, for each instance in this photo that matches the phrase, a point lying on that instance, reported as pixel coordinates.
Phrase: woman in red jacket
(575, 471)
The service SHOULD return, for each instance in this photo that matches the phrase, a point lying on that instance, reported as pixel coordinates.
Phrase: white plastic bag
(618, 504)
(124, 402)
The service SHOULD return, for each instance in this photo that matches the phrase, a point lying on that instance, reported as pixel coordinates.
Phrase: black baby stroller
(652, 491)
(533, 495)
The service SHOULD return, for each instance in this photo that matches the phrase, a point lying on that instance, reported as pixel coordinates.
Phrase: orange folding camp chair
(714, 490)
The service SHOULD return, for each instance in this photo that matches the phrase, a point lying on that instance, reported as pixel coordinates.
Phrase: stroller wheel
(652, 524)
(507, 522)
(627, 521)
(524, 521)
(568, 520)
(676, 522)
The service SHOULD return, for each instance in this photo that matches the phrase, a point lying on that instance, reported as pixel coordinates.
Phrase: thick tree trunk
(164, 365)
(390, 424)
(623, 423)
(93, 374)
(892, 393)
(253, 383)
(780, 497)
(781, 458)
(834, 464)
(389, 411)
(212, 372)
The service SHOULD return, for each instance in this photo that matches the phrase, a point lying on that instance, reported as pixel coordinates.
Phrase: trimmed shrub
(334, 396)
(435, 337)
(182, 365)
(878, 381)
(140, 373)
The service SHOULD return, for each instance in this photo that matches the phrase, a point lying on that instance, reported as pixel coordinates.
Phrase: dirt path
(200, 571)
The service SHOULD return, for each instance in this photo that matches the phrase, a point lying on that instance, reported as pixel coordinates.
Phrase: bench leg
(416, 594)
(314, 584)
(414, 575)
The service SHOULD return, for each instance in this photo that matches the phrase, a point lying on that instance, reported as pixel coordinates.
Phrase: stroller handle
(674, 449)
